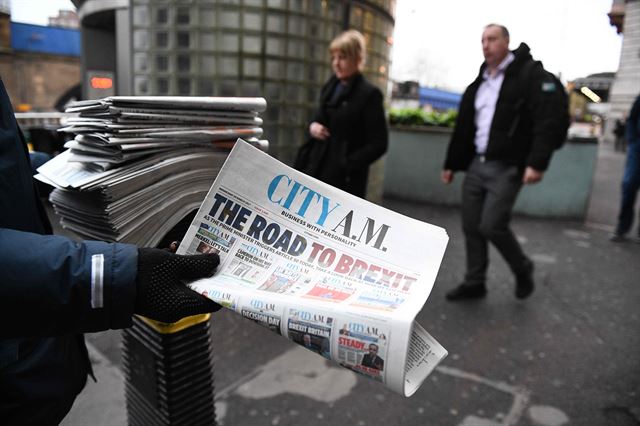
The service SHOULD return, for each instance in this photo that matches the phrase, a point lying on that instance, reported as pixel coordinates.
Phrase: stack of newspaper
(138, 165)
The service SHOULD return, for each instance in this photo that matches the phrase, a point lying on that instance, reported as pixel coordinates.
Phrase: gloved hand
(161, 294)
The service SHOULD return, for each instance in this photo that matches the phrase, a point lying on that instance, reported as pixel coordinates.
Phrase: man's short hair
(503, 29)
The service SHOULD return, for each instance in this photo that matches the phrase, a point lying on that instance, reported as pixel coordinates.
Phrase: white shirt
(485, 102)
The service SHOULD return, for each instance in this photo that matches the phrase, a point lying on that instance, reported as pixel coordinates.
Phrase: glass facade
(271, 48)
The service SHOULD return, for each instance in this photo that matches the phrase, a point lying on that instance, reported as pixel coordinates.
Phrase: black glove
(161, 294)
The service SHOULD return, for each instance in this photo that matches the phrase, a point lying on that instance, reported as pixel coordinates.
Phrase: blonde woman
(349, 129)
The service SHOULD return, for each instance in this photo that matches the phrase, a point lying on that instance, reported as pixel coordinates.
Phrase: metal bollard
(169, 372)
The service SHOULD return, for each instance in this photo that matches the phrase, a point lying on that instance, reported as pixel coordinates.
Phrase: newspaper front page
(334, 273)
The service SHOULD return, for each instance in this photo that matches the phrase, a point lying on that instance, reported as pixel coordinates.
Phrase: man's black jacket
(537, 127)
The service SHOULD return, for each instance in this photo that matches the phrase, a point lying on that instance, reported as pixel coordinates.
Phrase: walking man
(631, 178)
(508, 125)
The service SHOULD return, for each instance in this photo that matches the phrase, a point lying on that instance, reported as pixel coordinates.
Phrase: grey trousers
(489, 192)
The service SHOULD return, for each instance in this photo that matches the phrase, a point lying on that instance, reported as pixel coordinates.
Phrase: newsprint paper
(334, 273)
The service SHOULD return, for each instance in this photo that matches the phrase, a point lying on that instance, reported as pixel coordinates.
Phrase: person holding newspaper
(349, 129)
(511, 119)
(53, 289)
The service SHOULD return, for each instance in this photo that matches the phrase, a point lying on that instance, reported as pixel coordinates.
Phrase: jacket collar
(521, 55)
(333, 82)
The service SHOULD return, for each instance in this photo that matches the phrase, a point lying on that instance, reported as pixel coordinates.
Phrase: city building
(409, 94)
(405, 94)
(38, 64)
(65, 19)
(438, 99)
(589, 96)
(277, 49)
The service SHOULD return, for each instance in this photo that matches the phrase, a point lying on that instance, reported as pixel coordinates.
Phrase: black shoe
(617, 238)
(467, 291)
(524, 282)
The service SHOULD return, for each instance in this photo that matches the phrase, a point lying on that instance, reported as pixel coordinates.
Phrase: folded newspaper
(334, 273)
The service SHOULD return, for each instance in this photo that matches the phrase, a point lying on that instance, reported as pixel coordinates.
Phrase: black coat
(359, 136)
(44, 299)
(531, 142)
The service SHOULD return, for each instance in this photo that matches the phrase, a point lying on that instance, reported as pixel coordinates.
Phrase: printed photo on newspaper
(334, 273)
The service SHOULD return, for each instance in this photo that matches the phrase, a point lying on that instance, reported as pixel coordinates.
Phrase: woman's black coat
(359, 136)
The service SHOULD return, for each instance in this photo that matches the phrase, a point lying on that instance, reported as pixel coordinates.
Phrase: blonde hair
(352, 44)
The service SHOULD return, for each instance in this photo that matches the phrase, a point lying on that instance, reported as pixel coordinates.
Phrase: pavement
(568, 355)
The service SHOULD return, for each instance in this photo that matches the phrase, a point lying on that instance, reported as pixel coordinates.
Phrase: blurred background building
(409, 94)
(40, 68)
(38, 64)
(272, 48)
(65, 19)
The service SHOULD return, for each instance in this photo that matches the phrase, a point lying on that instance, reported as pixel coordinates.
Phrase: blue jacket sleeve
(51, 285)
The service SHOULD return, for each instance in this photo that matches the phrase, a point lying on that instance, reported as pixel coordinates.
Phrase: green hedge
(418, 117)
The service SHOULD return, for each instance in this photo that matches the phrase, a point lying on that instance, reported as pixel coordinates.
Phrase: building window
(183, 16)
(184, 63)
(141, 39)
(299, 5)
(295, 71)
(297, 25)
(229, 66)
(251, 88)
(296, 48)
(275, 22)
(141, 16)
(207, 64)
(207, 18)
(251, 67)
(294, 93)
(272, 114)
(252, 21)
(313, 94)
(368, 21)
(162, 40)
(275, 68)
(278, 4)
(292, 115)
(228, 88)
(162, 86)
(205, 87)
(251, 44)
(162, 16)
(162, 63)
(229, 43)
(319, 51)
(229, 19)
(183, 39)
(207, 41)
(141, 85)
(140, 62)
(275, 46)
(184, 86)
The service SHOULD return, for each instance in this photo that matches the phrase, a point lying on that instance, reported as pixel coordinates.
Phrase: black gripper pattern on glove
(161, 295)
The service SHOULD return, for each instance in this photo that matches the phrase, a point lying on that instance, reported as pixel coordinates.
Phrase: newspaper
(334, 273)
(170, 102)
